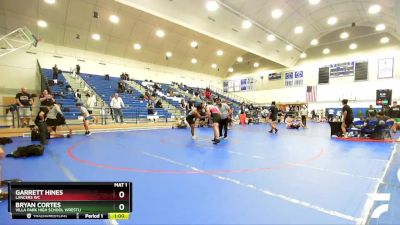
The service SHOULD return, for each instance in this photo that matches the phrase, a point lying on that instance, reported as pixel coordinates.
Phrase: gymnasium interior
(210, 112)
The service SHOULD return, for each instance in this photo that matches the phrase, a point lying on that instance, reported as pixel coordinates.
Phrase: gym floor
(253, 177)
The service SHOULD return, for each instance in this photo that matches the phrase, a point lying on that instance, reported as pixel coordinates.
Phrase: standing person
(304, 114)
(90, 104)
(394, 113)
(116, 105)
(214, 114)
(273, 117)
(347, 114)
(46, 99)
(55, 72)
(24, 101)
(86, 118)
(225, 113)
(330, 114)
(371, 112)
(78, 69)
(192, 116)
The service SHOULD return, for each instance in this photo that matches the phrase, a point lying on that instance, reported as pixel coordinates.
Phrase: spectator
(90, 104)
(78, 69)
(55, 72)
(150, 107)
(127, 77)
(116, 105)
(330, 114)
(46, 99)
(24, 101)
(68, 88)
(121, 87)
(107, 77)
(159, 104)
(183, 106)
(347, 114)
(371, 112)
(78, 96)
(394, 113)
(304, 113)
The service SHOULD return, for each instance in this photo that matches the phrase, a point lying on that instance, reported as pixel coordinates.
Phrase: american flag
(311, 95)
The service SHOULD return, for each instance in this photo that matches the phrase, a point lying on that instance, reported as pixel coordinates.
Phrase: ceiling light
(168, 54)
(194, 44)
(385, 40)
(353, 46)
(96, 37)
(298, 30)
(276, 13)
(50, 1)
(271, 37)
(194, 61)
(230, 69)
(114, 19)
(303, 55)
(289, 47)
(246, 24)
(332, 20)
(326, 51)
(256, 64)
(239, 59)
(344, 35)
(42, 23)
(313, 2)
(137, 46)
(374, 9)
(314, 41)
(220, 53)
(380, 27)
(214, 66)
(160, 33)
(212, 6)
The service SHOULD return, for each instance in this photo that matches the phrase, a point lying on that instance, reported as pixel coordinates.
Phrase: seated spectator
(78, 95)
(159, 104)
(129, 90)
(106, 77)
(150, 107)
(121, 87)
(180, 124)
(294, 123)
(68, 88)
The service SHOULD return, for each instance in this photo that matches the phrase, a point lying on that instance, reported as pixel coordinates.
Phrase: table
(336, 128)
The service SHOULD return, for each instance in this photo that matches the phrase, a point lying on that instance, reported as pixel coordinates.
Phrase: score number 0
(121, 206)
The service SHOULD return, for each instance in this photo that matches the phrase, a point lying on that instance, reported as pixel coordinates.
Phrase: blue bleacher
(164, 90)
(68, 101)
(135, 107)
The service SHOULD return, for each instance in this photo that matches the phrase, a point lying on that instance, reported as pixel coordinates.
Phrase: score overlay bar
(68, 200)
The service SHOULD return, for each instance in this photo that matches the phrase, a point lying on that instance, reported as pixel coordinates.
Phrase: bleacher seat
(135, 107)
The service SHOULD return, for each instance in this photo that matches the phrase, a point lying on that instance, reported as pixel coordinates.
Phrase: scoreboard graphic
(70, 200)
